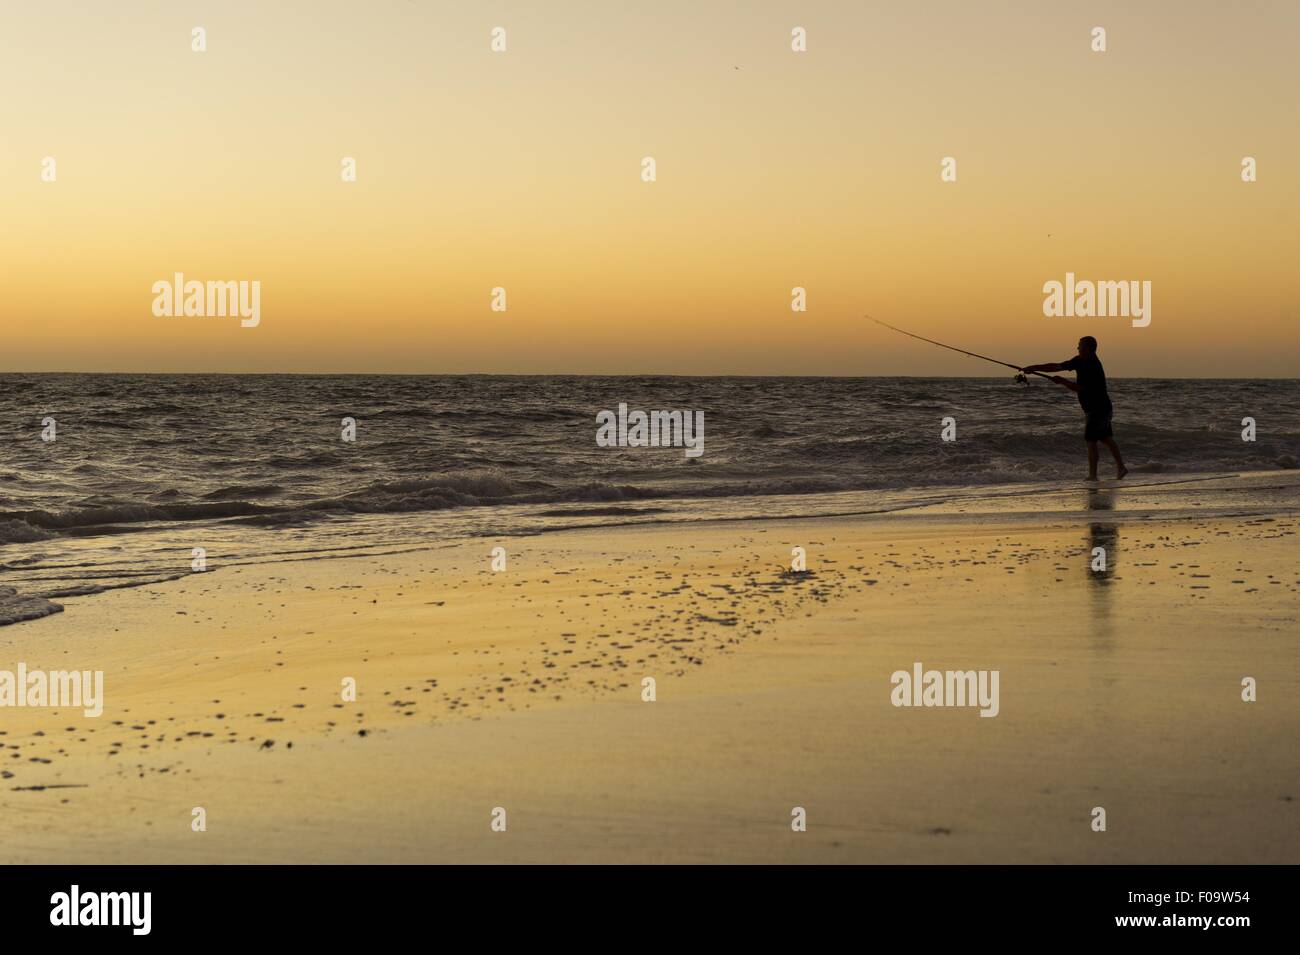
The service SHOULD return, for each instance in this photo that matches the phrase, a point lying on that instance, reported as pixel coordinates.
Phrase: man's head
(1087, 346)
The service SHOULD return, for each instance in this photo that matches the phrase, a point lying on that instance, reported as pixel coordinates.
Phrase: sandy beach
(522, 689)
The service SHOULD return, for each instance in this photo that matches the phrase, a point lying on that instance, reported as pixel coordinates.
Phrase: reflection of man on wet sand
(1103, 542)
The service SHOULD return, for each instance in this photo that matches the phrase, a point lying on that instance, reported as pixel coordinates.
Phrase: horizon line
(496, 374)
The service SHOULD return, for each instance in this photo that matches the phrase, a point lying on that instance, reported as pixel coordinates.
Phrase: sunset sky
(522, 170)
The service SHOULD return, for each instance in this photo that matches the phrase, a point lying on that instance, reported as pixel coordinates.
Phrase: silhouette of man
(1090, 386)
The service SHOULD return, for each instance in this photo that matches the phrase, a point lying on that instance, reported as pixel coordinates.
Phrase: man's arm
(1066, 382)
(1056, 366)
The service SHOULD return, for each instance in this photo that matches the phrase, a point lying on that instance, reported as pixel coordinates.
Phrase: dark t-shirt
(1092, 382)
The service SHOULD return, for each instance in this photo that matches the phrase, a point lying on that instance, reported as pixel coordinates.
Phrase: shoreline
(1229, 494)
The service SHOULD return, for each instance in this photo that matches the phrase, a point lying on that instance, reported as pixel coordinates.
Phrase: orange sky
(522, 170)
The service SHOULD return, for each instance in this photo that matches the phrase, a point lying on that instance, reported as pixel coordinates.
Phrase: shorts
(1096, 424)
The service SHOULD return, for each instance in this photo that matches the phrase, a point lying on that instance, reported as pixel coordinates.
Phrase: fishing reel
(1022, 378)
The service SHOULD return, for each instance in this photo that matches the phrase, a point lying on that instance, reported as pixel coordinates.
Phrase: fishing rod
(1019, 377)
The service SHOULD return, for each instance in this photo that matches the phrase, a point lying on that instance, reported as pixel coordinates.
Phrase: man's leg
(1092, 460)
(1120, 470)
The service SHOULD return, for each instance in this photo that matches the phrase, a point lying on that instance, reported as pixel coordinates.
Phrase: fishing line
(962, 351)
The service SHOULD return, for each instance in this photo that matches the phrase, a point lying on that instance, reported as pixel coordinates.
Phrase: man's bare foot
(1120, 472)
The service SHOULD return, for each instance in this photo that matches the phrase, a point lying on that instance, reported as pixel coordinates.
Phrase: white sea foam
(15, 607)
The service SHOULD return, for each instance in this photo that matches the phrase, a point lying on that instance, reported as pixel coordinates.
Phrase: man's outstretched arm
(1050, 366)
(1066, 383)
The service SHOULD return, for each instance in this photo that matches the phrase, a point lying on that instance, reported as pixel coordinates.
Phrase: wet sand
(522, 689)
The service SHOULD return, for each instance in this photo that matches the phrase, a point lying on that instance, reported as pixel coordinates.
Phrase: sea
(114, 480)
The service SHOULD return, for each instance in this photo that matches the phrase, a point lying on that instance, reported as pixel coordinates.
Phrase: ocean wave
(313, 459)
(14, 531)
(240, 491)
(127, 514)
(602, 511)
(489, 489)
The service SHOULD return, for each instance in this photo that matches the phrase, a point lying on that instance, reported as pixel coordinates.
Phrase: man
(1090, 386)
